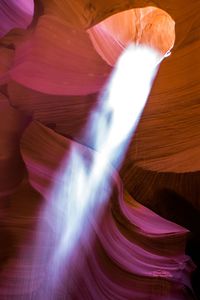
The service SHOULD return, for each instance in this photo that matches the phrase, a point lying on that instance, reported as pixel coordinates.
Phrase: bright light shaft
(113, 122)
(84, 187)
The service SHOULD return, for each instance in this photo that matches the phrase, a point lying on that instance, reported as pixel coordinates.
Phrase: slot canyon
(99, 150)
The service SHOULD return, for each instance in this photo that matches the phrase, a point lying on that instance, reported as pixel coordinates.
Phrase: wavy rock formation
(55, 58)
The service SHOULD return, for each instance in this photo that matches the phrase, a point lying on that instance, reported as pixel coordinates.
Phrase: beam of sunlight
(114, 120)
(82, 186)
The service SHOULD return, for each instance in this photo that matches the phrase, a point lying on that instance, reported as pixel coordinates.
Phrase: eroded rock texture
(143, 242)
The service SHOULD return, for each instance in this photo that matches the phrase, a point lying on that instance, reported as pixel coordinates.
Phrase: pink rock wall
(53, 64)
